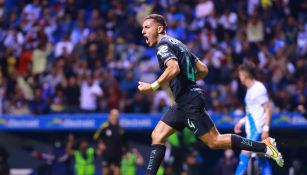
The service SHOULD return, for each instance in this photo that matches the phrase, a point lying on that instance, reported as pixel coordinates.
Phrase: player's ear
(160, 29)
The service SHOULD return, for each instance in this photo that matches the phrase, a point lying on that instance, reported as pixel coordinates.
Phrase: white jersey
(255, 97)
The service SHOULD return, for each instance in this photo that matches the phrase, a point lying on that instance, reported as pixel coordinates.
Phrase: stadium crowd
(61, 56)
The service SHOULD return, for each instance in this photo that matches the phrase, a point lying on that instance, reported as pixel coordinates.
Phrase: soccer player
(181, 69)
(112, 143)
(258, 117)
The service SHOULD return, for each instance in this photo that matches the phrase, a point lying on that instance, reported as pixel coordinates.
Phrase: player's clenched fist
(144, 87)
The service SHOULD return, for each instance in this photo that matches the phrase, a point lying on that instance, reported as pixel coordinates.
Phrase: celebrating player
(181, 69)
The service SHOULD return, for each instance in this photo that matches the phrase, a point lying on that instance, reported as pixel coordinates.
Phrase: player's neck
(160, 37)
(249, 83)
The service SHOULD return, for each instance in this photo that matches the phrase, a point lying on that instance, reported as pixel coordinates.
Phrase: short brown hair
(159, 19)
(250, 68)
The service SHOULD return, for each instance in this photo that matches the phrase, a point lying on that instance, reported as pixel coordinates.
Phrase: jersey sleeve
(165, 53)
(103, 131)
(261, 94)
(194, 58)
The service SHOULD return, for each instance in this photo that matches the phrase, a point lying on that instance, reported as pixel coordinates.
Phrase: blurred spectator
(2, 9)
(4, 164)
(129, 84)
(227, 164)
(207, 38)
(192, 164)
(13, 40)
(2, 92)
(130, 160)
(161, 101)
(83, 156)
(57, 104)
(113, 93)
(179, 142)
(72, 94)
(24, 66)
(79, 33)
(39, 58)
(162, 106)
(56, 160)
(54, 78)
(296, 167)
(140, 103)
(38, 105)
(302, 40)
(18, 106)
(63, 47)
(90, 91)
(113, 97)
(32, 10)
(252, 6)
(254, 30)
(302, 107)
(204, 8)
(229, 21)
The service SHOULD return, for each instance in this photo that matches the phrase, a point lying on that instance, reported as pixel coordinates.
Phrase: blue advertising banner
(129, 121)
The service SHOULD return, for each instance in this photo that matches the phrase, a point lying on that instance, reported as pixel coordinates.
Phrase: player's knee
(157, 138)
(214, 143)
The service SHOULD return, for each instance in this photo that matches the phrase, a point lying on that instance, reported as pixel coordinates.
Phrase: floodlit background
(65, 63)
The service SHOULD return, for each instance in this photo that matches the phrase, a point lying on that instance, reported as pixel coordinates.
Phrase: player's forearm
(201, 70)
(201, 75)
(169, 73)
(69, 148)
(268, 116)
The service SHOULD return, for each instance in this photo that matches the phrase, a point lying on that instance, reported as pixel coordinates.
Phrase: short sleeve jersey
(255, 97)
(171, 48)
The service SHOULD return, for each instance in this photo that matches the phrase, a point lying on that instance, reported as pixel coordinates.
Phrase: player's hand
(264, 135)
(144, 87)
(70, 137)
(35, 154)
(238, 128)
(99, 152)
(102, 146)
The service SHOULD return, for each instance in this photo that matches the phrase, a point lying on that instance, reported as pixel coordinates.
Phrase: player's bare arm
(171, 71)
(201, 70)
(69, 144)
(268, 117)
(238, 126)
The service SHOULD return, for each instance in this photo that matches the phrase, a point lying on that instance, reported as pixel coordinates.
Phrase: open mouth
(146, 39)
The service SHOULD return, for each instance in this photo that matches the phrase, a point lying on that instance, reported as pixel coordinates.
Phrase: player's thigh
(116, 169)
(105, 170)
(161, 132)
(171, 121)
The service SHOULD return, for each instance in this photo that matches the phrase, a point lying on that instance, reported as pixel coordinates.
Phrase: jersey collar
(162, 38)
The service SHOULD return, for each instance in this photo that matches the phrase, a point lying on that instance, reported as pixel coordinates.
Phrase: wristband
(242, 121)
(155, 85)
(266, 128)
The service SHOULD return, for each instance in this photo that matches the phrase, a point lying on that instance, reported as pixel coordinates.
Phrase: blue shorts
(255, 136)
